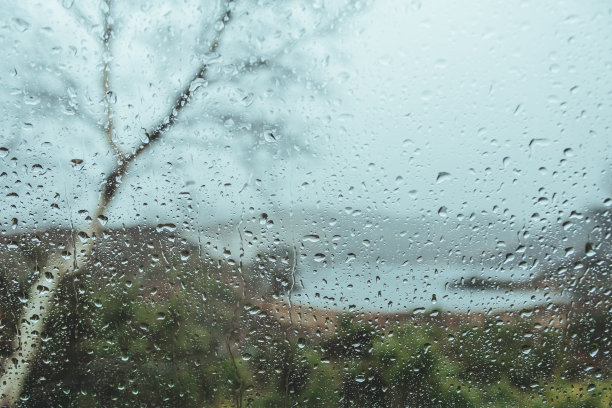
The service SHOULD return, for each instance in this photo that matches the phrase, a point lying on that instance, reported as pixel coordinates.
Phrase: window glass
(322, 204)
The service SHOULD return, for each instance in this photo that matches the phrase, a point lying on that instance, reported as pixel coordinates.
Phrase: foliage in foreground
(183, 336)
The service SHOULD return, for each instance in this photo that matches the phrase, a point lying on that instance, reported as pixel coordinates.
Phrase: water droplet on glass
(589, 250)
(20, 24)
(443, 176)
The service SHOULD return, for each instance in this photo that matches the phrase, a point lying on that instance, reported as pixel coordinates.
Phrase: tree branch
(183, 99)
(17, 366)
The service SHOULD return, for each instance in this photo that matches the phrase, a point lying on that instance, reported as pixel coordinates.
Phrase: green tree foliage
(167, 328)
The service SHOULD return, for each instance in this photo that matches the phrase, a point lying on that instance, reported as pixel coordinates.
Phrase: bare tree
(254, 127)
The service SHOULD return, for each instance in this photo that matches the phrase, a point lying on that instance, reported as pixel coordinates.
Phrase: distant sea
(406, 290)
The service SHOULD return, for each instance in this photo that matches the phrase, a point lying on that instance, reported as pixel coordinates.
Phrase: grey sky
(421, 110)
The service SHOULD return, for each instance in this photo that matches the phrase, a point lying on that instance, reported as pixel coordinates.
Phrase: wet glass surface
(319, 204)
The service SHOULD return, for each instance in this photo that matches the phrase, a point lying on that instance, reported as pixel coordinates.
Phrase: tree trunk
(17, 366)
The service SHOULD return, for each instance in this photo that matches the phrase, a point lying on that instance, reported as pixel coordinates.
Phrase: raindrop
(165, 227)
(442, 177)
(301, 342)
(32, 100)
(589, 251)
(197, 83)
(20, 24)
(311, 238)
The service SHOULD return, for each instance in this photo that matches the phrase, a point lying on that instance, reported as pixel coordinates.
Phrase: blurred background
(358, 204)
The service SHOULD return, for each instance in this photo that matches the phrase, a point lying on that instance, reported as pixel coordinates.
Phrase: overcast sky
(410, 110)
